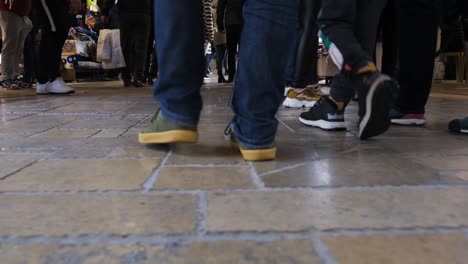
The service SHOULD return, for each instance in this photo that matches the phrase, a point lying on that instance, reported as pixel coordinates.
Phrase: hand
(105, 19)
(74, 7)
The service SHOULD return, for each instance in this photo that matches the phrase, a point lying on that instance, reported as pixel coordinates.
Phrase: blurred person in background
(135, 19)
(15, 26)
(55, 19)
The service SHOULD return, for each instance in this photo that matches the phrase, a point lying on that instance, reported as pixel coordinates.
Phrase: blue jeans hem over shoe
(263, 55)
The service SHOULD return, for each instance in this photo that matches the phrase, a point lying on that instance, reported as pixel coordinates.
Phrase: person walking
(135, 19)
(269, 27)
(55, 20)
(348, 29)
(15, 26)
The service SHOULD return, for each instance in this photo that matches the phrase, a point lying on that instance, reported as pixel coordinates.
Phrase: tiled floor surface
(76, 187)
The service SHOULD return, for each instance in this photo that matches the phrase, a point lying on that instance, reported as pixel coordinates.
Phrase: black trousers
(417, 42)
(306, 54)
(389, 25)
(233, 35)
(349, 30)
(55, 22)
(134, 32)
(151, 68)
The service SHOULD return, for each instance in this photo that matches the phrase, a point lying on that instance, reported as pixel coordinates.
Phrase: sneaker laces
(228, 130)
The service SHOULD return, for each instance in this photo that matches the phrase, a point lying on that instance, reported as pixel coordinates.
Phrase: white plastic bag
(104, 52)
(117, 59)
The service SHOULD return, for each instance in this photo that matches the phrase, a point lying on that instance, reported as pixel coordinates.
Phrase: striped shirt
(208, 25)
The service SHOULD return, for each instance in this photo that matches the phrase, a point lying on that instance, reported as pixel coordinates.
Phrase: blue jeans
(259, 83)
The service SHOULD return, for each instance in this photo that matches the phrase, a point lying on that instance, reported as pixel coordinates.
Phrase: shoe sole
(175, 136)
(255, 154)
(409, 122)
(52, 93)
(325, 125)
(292, 103)
(377, 120)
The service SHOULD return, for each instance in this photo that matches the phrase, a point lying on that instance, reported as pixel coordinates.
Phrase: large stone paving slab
(225, 252)
(60, 215)
(211, 178)
(81, 175)
(337, 209)
(396, 249)
(10, 163)
(361, 168)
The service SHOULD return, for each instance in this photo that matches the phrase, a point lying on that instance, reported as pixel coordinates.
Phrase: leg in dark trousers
(356, 46)
(349, 31)
(54, 34)
(390, 35)
(134, 32)
(220, 57)
(416, 54)
(233, 33)
(306, 55)
(151, 68)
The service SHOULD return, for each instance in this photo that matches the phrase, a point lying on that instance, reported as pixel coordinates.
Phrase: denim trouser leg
(264, 51)
(179, 31)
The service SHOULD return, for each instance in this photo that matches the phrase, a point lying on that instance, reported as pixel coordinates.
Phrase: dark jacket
(19, 7)
(129, 7)
(229, 12)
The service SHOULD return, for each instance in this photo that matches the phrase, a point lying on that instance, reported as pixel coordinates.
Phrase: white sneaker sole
(376, 119)
(409, 122)
(325, 125)
(293, 103)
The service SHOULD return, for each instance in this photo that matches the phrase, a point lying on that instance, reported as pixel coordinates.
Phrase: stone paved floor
(76, 187)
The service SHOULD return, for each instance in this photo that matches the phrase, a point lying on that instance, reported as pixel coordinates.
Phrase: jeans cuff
(179, 119)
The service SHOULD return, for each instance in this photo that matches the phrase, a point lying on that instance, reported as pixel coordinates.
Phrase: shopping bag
(103, 52)
(117, 59)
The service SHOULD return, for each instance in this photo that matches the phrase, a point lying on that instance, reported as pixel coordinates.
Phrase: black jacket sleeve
(108, 4)
(220, 14)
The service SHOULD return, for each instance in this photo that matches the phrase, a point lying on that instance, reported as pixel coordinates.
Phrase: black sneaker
(375, 92)
(459, 125)
(325, 114)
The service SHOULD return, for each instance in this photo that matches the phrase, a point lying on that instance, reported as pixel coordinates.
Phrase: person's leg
(126, 28)
(220, 56)
(416, 54)
(267, 33)
(232, 51)
(180, 79)
(11, 25)
(55, 22)
(305, 59)
(390, 38)
(147, 78)
(140, 46)
(349, 30)
(26, 27)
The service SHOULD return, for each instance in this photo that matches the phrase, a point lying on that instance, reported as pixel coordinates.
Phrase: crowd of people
(268, 49)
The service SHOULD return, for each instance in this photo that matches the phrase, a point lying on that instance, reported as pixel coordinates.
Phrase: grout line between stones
(322, 250)
(256, 179)
(284, 124)
(154, 175)
(312, 235)
(150, 182)
(202, 212)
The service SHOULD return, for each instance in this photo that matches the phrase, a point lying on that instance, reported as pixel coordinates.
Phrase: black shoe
(127, 82)
(459, 125)
(221, 80)
(375, 96)
(325, 114)
(138, 84)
